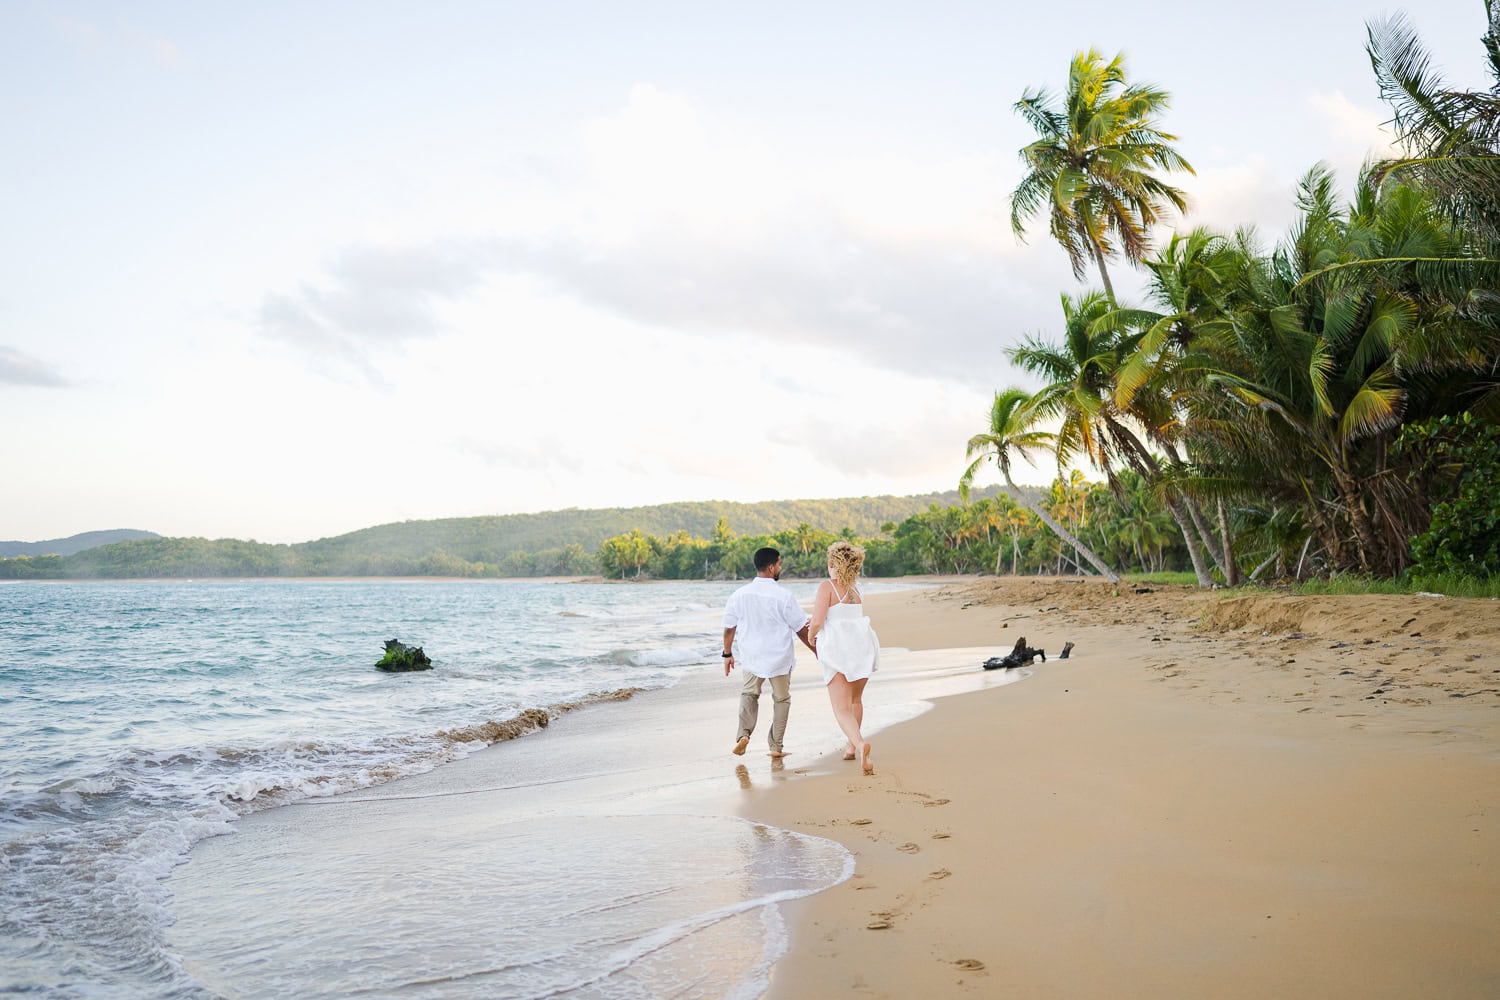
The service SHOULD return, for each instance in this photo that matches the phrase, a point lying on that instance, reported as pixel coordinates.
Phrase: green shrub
(1457, 462)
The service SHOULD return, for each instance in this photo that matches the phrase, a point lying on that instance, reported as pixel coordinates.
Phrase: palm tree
(1079, 389)
(1324, 373)
(1090, 167)
(1012, 431)
(1194, 282)
(1451, 141)
(1452, 137)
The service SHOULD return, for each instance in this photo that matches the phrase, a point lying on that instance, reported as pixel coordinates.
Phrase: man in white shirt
(764, 617)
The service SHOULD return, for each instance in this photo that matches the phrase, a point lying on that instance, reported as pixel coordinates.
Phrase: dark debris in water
(401, 657)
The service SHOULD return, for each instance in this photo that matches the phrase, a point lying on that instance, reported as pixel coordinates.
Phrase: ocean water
(138, 719)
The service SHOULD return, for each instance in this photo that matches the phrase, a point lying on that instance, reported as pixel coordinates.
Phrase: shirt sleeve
(732, 611)
(796, 618)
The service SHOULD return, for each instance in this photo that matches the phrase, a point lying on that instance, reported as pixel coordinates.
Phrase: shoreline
(1233, 796)
(1206, 799)
(637, 764)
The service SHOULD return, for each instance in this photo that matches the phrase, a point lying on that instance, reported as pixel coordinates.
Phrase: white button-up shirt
(766, 619)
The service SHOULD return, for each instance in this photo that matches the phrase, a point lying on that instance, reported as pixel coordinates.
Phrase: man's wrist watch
(727, 656)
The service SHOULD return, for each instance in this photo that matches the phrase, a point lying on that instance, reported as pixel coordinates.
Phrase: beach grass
(1447, 584)
(1348, 584)
(1164, 578)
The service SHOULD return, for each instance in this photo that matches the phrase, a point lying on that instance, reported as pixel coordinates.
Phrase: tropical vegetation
(1324, 405)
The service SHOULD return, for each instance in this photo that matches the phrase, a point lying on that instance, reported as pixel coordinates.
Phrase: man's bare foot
(865, 761)
(739, 748)
(777, 754)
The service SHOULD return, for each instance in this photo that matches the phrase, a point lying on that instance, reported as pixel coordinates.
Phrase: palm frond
(1407, 81)
(1464, 271)
(1375, 407)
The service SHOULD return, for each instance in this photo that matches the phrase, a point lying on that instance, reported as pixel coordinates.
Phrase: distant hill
(568, 539)
(73, 543)
(491, 539)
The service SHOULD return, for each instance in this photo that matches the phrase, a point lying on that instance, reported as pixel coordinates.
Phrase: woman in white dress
(847, 647)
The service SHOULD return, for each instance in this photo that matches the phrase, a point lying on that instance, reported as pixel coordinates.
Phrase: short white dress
(847, 644)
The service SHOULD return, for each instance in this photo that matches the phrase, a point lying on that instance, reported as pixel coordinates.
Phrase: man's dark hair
(765, 559)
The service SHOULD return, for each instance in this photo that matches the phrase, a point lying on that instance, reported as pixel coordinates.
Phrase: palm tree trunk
(1303, 556)
(1364, 535)
(1190, 539)
(1109, 288)
(1190, 523)
(1273, 557)
(1098, 255)
(1205, 534)
(1066, 536)
(1330, 539)
(1231, 571)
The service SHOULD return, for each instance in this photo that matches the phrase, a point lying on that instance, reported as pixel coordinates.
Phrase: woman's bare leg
(856, 691)
(857, 709)
(841, 697)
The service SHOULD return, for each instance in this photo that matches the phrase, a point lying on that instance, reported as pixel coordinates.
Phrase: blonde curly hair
(845, 559)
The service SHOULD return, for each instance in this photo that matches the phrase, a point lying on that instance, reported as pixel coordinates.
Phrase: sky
(284, 270)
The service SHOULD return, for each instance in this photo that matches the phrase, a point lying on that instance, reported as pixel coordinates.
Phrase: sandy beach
(1214, 796)
(1225, 796)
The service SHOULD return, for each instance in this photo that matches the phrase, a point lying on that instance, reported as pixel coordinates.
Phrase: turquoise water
(137, 719)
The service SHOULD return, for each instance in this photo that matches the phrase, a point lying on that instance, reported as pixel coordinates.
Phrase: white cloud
(17, 368)
(667, 216)
(1225, 197)
(911, 441)
(1360, 126)
(1227, 194)
(675, 219)
(373, 297)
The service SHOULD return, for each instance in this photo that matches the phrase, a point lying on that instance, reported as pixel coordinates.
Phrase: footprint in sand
(908, 848)
(941, 836)
(860, 822)
(878, 925)
(940, 873)
(969, 964)
(936, 802)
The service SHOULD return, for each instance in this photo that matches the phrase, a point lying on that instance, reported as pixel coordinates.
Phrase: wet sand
(1215, 796)
(600, 854)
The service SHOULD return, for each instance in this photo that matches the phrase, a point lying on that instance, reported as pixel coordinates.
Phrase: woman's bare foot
(849, 751)
(865, 761)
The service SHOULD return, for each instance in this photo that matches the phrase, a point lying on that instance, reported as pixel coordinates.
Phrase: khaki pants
(781, 704)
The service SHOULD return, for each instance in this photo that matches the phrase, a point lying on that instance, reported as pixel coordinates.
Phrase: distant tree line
(554, 543)
(990, 535)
